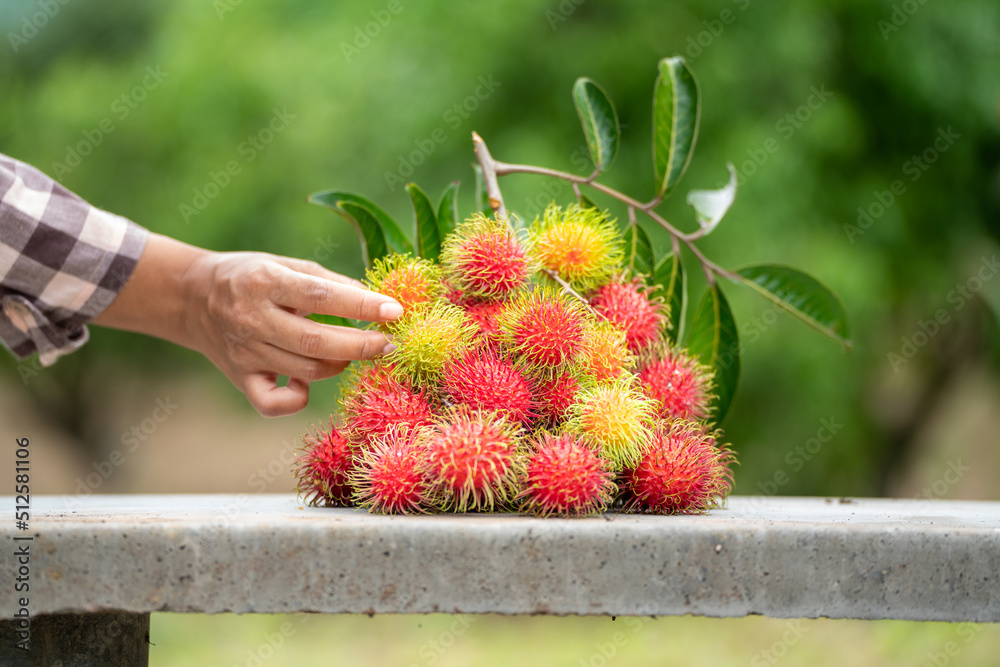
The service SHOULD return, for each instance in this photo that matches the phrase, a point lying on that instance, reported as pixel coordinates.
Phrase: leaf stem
(492, 169)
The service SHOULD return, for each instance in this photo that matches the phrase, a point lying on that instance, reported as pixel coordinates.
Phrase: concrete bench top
(782, 557)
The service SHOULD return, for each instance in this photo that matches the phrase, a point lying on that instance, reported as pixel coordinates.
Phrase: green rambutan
(374, 403)
(555, 396)
(392, 474)
(682, 470)
(606, 353)
(545, 327)
(484, 258)
(473, 459)
(322, 468)
(628, 306)
(563, 476)
(409, 280)
(427, 338)
(486, 380)
(613, 418)
(680, 384)
(580, 244)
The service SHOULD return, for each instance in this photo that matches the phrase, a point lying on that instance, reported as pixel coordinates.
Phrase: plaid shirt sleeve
(62, 261)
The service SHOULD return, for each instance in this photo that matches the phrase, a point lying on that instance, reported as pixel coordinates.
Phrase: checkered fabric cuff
(62, 262)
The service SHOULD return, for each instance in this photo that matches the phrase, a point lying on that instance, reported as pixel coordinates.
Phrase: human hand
(244, 311)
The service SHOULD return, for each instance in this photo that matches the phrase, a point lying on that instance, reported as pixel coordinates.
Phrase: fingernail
(390, 310)
(389, 348)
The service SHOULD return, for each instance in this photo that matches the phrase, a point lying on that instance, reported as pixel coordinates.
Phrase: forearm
(155, 298)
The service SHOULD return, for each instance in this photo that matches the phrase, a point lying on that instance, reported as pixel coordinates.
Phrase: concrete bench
(99, 566)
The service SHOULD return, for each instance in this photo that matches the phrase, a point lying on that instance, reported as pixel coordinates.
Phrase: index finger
(312, 294)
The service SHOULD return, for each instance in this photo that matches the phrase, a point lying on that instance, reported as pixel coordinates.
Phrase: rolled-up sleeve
(62, 261)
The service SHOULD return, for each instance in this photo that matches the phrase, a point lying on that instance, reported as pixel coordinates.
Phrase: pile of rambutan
(532, 373)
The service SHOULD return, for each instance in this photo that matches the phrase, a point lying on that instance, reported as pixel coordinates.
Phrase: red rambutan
(544, 327)
(485, 380)
(376, 403)
(680, 384)
(682, 470)
(554, 397)
(629, 307)
(484, 258)
(484, 314)
(473, 459)
(392, 474)
(323, 466)
(564, 476)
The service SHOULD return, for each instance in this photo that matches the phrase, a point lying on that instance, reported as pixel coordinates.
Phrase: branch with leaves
(713, 334)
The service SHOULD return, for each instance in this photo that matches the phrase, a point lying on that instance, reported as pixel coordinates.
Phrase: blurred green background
(135, 106)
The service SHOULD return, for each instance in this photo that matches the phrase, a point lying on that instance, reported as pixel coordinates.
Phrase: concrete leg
(115, 639)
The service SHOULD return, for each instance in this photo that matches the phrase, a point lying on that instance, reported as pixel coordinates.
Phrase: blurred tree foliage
(820, 105)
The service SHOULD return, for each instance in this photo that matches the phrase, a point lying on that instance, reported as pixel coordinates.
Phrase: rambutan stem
(492, 169)
(566, 286)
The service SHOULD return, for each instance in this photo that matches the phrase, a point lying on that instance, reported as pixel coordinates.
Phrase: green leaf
(370, 236)
(447, 215)
(393, 234)
(801, 295)
(715, 341)
(425, 223)
(670, 279)
(333, 320)
(586, 202)
(482, 198)
(676, 112)
(639, 250)
(599, 120)
(711, 205)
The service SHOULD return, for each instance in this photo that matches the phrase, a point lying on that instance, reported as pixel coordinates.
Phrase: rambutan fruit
(680, 384)
(392, 474)
(427, 338)
(606, 353)
(484, 314)
(682, 470)
(544, 326)
(409, 280)
(555, 396)
(487, 380)
(375, 403)
(563, 476)
(628, 306)
(322, 468)
(484, 258)
(473, 459)
(613, 418)
(580, 244)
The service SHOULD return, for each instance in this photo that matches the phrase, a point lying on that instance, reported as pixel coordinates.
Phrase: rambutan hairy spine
(682, 470)
(392, 474)
(565, 477)
(323, 466)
